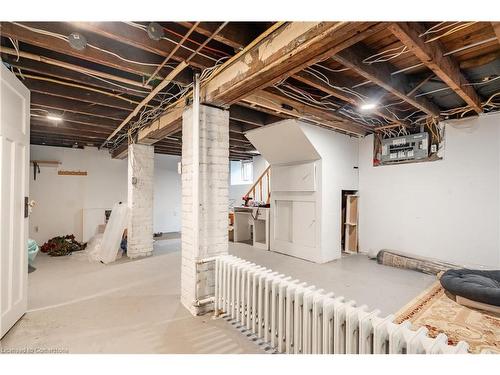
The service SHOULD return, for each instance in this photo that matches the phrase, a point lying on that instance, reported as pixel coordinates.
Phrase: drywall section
(306, 182)
(446, 209)
(60, 200)
(339, 172)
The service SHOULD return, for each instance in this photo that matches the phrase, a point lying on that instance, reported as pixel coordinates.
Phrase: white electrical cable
(386, 55)
(15, 43)
(65, 38)
(144, 28)
(332, 70)
(453, 28)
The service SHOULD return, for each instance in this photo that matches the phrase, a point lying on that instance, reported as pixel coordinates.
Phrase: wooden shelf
(52, 162)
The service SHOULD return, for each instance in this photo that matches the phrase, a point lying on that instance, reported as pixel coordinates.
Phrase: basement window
(247, 171)
(241, 172)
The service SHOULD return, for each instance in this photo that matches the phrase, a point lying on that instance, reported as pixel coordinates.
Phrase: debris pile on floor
(62, 245)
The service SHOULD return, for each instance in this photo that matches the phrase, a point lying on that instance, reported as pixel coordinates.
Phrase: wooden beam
(278, 103)
(480, 60)
(380, 74)
(247, 115)
(166, 125)
(496, 29)
(26, 65)
(120, 152)
(310, 79)
(56, 89)
(36, 128)
(284, 51)
(76, 106)
(432, 55)
(8, 29)
(168, 79)
(75, 118)
(234, 35)
(132, 36)
(67, 129)
(76, 68)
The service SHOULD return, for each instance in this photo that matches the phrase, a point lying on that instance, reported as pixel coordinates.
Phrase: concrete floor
(354, 276)
(134, 306)
(126, 307)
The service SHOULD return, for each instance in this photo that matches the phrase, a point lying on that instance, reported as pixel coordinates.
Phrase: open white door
(14, 182)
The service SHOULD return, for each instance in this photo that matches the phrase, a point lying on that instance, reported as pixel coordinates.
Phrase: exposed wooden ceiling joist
(309, 79)
(76, 106)
(72, 67)
(235, 34)
(168, 79)
(496, 29)
(432, 55)
(294, 108)
(380, 74)
(284, 51)
(76, 118)
(61, 90)
(279, 52)
(135, 37)
(52, 43)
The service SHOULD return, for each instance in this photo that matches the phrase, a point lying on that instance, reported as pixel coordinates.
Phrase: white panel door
(14, 169)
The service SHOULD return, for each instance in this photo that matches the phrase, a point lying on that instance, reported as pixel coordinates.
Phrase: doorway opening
(349, 221)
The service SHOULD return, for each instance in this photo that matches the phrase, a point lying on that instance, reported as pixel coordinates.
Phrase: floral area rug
(437, 310)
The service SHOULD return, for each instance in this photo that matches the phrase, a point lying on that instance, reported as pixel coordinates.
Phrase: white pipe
(196, 168)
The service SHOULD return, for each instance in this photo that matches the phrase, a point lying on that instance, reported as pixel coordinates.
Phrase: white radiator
(293, 317)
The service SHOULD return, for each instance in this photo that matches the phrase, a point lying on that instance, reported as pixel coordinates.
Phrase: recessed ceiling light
(367, 106)
(54, 118)
(155, 31)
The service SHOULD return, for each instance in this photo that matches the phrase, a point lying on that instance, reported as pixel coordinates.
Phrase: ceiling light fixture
(367, 106)
(155, 31)
(54, 118)
(77, 41)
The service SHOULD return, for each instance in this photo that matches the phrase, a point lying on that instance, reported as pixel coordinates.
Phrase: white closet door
(14, 169)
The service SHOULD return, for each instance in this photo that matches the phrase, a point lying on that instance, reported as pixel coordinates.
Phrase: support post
(140, 200)
(205, 168)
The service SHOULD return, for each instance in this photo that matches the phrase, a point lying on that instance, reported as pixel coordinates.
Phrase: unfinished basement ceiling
(411, 72)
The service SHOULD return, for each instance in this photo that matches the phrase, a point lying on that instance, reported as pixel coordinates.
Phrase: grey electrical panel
(405, 148)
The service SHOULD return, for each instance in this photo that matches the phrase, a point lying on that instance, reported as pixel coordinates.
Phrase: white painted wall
(446, 209)
(339, 157)
(314, 213)
(60, 199)
(167, 194)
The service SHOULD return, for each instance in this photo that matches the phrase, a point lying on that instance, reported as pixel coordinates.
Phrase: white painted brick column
(140, 200)
(198, 276)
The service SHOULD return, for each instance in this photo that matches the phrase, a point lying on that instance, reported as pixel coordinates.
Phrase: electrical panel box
(405, 148)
